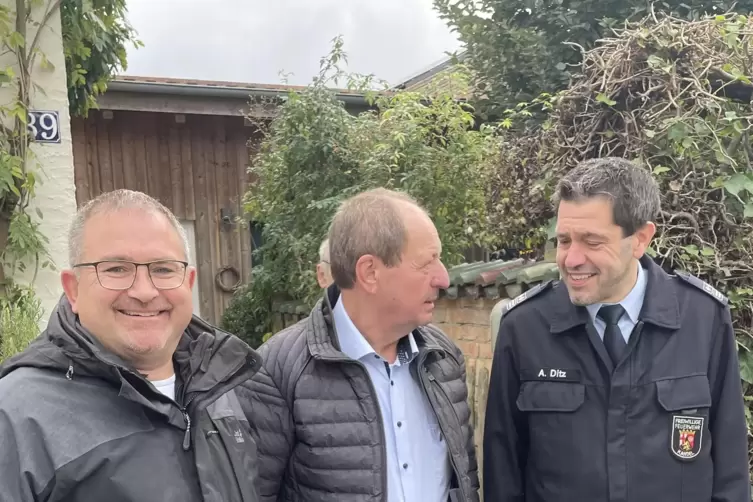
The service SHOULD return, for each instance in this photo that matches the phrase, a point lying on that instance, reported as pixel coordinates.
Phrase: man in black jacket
(620, 383)
(364, 400)
(126, 396)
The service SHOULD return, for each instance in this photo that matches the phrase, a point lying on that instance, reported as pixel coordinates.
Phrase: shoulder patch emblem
(526, 296)
(703, 286)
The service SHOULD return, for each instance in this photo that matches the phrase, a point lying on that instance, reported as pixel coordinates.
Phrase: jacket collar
(660, 305)
(322, 338)
(206, 359)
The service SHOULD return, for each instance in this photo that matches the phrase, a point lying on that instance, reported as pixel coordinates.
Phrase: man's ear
(643, 238)
(320, 277)
(191, 276)
(367, 269)
(70, 286)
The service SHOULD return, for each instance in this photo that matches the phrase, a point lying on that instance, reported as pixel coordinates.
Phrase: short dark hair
(633, 191)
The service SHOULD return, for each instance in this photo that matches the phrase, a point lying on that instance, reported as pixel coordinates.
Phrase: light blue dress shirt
(418, 465)
(632, 304)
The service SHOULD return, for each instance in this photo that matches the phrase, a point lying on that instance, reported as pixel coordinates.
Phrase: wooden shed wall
(197, 168)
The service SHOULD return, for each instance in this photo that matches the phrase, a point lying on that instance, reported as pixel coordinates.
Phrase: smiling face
(597, 262)
(142, 324)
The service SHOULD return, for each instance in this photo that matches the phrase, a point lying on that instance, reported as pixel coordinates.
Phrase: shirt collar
(632, 303)
(354, 345)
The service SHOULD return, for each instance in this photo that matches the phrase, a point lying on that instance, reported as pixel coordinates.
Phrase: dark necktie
(613, 339)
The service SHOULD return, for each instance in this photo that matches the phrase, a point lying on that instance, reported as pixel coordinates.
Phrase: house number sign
(44, 126)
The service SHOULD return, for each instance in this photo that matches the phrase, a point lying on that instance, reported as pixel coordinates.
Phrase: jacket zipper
(439, 420)
(381, 426)
(187, 418)
(187, 435)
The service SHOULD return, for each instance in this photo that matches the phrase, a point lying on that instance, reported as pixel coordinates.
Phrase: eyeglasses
(120, 275)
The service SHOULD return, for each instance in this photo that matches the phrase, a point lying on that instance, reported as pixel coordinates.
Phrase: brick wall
(466, 321)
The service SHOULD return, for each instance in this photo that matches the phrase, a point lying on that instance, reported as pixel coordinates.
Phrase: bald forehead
(111, 226)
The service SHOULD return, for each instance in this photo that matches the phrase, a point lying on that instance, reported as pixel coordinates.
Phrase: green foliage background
(96, 34)
(675, 96)
(521, 48)
(19, 321)
(316, 153)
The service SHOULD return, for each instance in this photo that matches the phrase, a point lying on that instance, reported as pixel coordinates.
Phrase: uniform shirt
(632, 304)
(418, 465)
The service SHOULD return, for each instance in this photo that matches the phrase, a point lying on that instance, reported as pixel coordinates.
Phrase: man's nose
(442, 278)
(575, 257)
(142, 288)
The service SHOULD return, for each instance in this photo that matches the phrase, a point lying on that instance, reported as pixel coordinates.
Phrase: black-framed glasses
(120, 275)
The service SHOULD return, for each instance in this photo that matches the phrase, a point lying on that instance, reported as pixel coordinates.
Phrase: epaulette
(703, 286)
(526, 296)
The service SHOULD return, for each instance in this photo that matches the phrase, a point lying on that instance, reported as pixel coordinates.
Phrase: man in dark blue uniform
(620, 382)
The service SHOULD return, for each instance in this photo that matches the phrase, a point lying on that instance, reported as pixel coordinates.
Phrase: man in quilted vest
(364, 400)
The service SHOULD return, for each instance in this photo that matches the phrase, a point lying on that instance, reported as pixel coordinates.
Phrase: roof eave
(177, 89)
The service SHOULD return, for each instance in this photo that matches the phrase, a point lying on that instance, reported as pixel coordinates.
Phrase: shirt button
(405, 466)
(399, 424)
(376, 356)
(392, 382)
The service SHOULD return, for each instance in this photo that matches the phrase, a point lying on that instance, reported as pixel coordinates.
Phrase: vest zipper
(439, 420)
(380, 422)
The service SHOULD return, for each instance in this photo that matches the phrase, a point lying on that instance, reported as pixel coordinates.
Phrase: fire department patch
(687, 435)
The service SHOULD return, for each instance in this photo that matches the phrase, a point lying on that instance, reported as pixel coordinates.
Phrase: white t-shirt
(167, 387)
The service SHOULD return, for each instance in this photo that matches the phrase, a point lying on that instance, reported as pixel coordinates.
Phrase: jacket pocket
(684, 393)
(564, 397)
(554, 413)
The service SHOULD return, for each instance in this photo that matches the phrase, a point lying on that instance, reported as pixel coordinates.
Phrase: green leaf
(748, 211)
(746, 366)
(691, 249)
(655, 61)
(707, 251)
(678, 131)
(720, 157)
(737, 183)
(16, 40)
(661, 169)
(603, 98)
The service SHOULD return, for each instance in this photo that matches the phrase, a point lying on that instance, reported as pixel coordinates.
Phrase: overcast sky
(253, 40)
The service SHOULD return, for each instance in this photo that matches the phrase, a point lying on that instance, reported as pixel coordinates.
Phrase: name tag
(551, 375)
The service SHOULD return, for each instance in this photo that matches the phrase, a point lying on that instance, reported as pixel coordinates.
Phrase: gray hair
(370, 223)
(111, 202)
(633, 191)
(324, 252)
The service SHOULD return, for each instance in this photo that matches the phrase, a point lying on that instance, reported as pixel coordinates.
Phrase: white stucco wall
(55, 196)
(190, 229)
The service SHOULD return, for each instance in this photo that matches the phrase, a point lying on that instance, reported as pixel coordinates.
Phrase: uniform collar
(632, 303)
(660, 306)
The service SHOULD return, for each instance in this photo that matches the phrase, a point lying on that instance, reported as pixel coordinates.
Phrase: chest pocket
(553, 420)
(561, 397)
(225, 453)
(684, 393)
